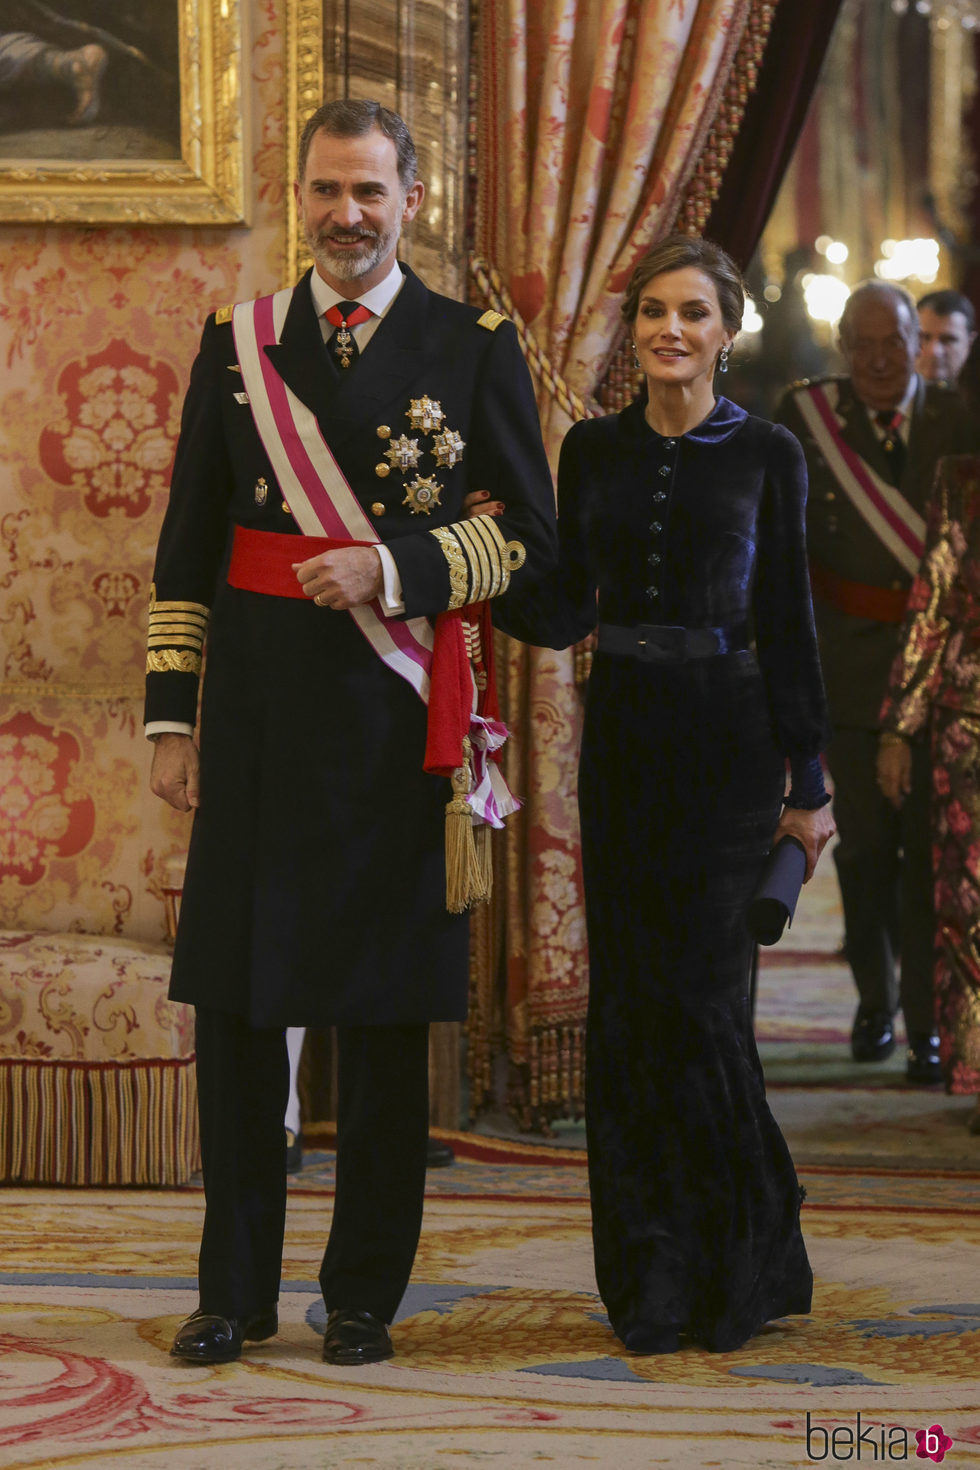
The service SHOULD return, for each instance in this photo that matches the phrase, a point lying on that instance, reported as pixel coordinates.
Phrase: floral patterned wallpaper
(98, 328)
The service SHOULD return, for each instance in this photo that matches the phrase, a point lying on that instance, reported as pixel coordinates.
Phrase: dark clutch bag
(774, 903)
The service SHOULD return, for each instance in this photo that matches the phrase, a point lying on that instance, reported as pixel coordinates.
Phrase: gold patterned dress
(935, 686)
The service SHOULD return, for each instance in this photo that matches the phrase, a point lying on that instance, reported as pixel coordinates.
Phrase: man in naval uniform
(872, 441)
(316, 880)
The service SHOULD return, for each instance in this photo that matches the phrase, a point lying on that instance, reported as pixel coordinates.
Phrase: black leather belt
(656, 643)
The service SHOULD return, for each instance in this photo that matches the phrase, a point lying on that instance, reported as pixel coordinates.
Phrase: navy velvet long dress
(695, 1202)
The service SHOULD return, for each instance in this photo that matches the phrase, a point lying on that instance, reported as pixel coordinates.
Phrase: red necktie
(890, 421)
(343, 316)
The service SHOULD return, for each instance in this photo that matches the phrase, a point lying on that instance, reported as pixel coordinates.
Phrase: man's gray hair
(880, 290)
(347, 117)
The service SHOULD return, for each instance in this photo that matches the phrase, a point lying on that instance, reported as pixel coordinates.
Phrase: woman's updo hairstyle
(675, 252)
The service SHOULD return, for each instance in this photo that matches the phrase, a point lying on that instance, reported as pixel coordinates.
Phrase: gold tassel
(464, 881)
(484, 858)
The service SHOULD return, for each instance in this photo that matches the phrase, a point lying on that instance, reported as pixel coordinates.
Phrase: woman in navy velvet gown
(682, 535)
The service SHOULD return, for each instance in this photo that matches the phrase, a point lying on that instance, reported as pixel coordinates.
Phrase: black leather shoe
(923, 1064)
(294, 1151)
(873, 1036)
(208, 1338)
(439, 1154)
(353, 1338)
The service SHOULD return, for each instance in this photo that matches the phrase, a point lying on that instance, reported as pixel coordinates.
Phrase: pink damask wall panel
(98, 328)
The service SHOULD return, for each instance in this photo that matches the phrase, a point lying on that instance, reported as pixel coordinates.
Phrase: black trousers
(382, 1136)
(884, 866)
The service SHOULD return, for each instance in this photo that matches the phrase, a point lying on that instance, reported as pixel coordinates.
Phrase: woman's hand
(813, 829)
(478, 503)
(894, 769)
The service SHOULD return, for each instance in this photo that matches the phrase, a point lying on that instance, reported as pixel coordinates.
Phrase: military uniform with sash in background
(868, 489)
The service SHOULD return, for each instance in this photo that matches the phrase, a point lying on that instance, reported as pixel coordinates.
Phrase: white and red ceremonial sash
(896, 523)
(323, 504)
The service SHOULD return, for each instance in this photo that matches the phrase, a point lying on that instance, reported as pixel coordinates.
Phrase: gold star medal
(448, 448)
(425, 415)
(403, 454)
(421, 494)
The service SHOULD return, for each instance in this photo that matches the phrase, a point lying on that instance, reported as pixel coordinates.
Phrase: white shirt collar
(378, 299)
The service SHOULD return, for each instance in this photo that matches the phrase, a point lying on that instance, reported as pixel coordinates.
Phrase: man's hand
(895, 770)
(813, 829)
(342, 578)
(175, 773)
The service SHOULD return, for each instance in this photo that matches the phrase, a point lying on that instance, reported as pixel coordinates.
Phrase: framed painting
(130, 113)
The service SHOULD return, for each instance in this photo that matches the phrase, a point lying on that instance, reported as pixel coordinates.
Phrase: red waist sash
(858, 599)
(263, 561)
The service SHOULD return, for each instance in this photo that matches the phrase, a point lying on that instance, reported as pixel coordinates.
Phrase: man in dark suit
(872, 441)
(316, 886)
(947, 331)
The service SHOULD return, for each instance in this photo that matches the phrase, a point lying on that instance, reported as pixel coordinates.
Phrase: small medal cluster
(425, 417)
(344, 346)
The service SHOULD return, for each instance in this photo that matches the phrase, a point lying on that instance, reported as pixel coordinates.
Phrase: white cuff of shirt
(392, 598)
(166, 727)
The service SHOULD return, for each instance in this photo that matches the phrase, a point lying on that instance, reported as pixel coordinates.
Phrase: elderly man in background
(947, 329)
(872, 440)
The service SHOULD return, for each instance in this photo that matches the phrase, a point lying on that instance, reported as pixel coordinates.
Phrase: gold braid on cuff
(175, 640)
(480, 560)
(453, 553)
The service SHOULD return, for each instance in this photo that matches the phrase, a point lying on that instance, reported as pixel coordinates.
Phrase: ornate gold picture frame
(305, 90)
(138, 118)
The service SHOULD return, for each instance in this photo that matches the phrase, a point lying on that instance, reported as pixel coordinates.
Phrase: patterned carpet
(504, 1355)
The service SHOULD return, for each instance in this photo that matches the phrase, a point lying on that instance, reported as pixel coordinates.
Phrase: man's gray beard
(347, 267)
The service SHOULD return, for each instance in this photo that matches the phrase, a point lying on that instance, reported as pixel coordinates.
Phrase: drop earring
(636, 360)
(723, 358)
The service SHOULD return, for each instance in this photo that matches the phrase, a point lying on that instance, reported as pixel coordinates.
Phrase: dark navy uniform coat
(315, 886)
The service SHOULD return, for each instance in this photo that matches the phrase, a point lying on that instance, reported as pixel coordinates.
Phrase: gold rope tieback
(705, 184)
(495, 292)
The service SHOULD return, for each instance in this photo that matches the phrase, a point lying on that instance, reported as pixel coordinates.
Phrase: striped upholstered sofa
(96, 1064)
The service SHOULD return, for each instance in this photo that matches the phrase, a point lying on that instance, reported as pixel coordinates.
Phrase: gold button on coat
(382, 469)
(378, 508)
(383, 431)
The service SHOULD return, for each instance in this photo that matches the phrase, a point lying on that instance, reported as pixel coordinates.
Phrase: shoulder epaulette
(223, 314)
(492, 320)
